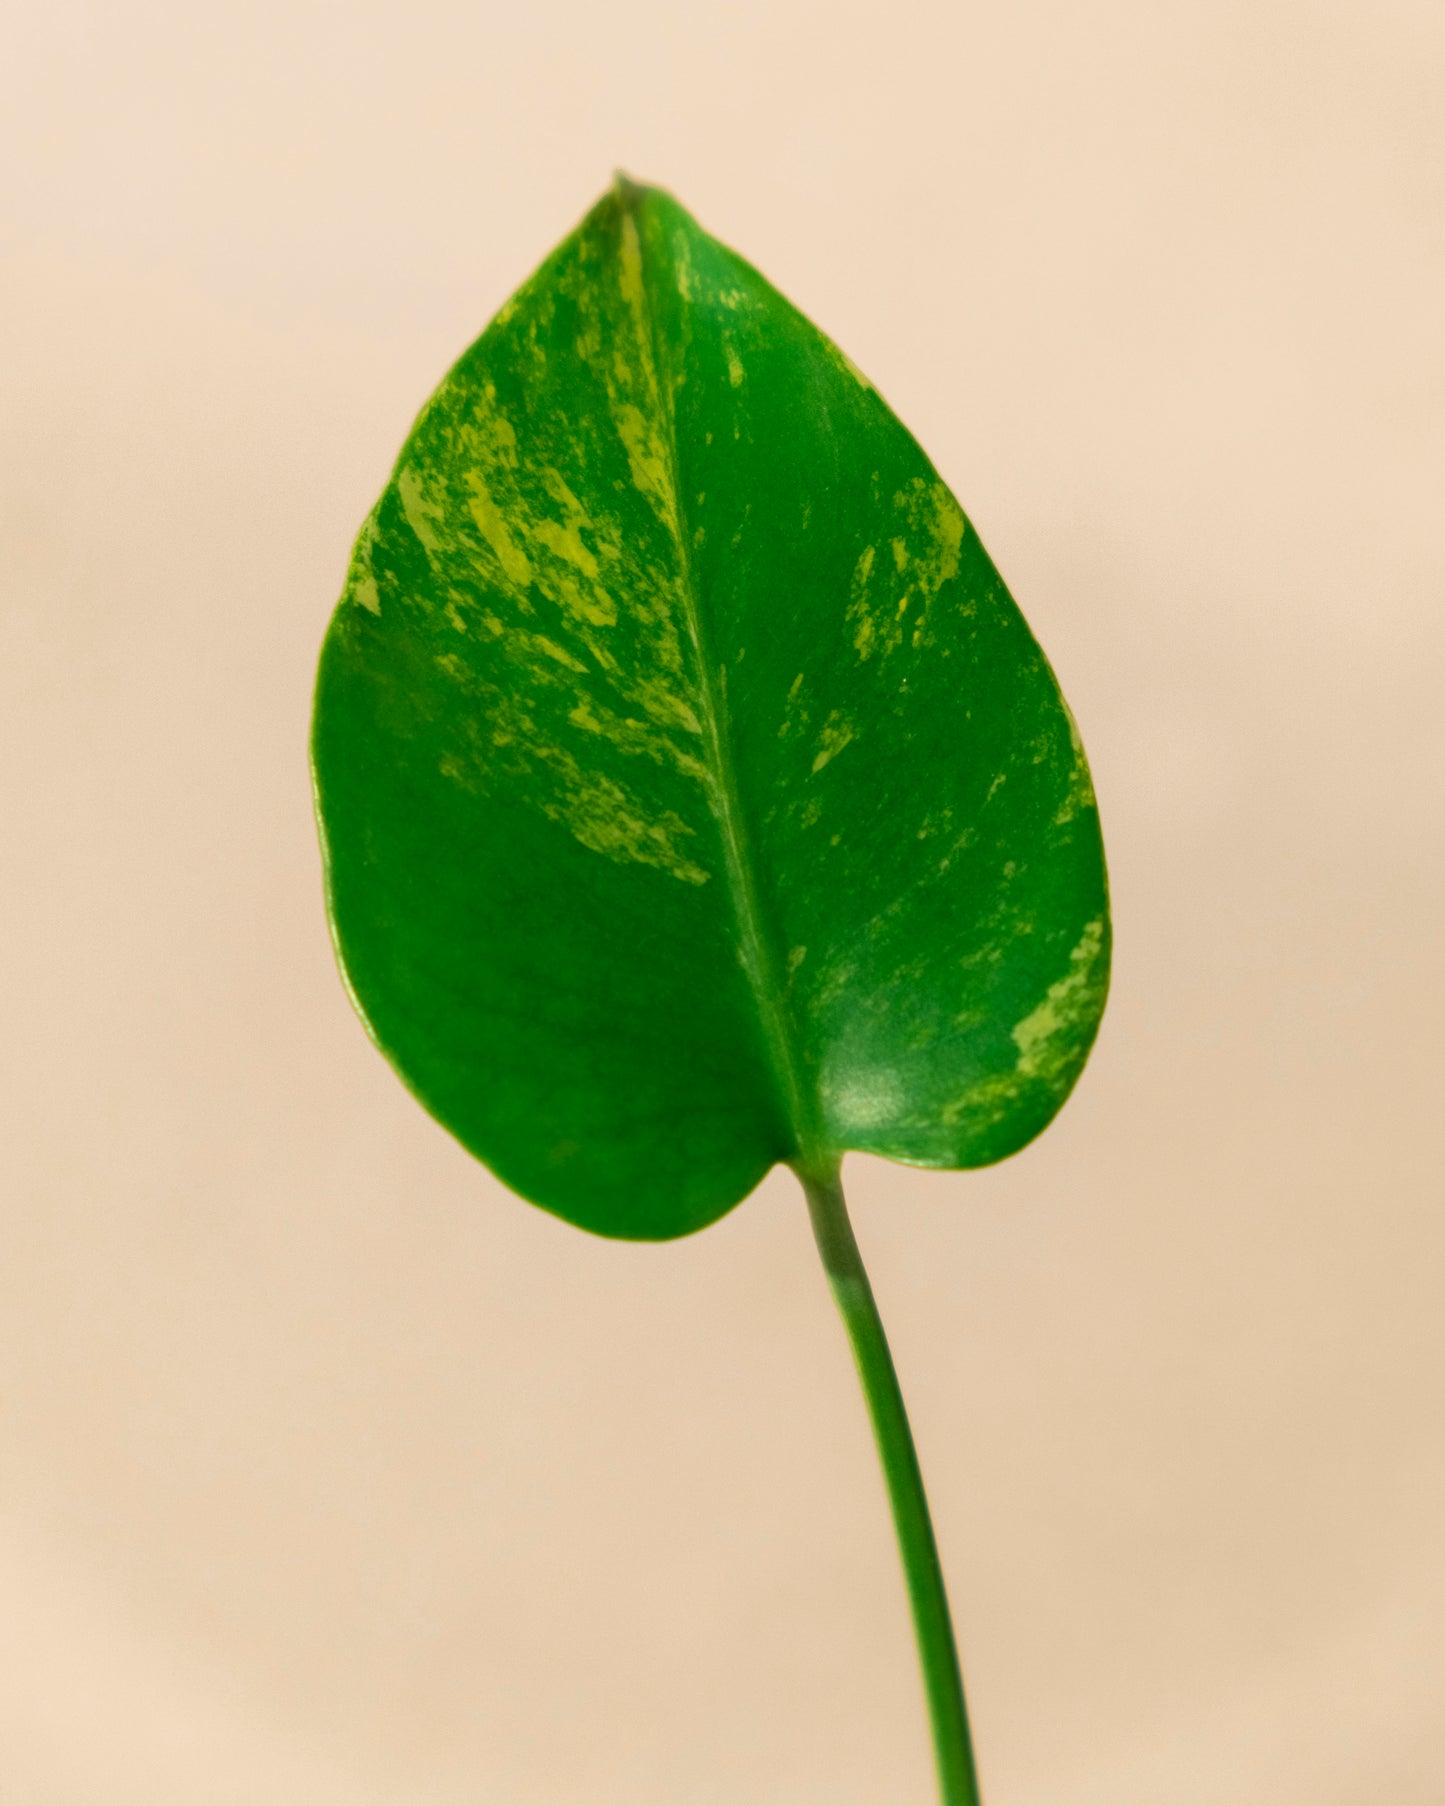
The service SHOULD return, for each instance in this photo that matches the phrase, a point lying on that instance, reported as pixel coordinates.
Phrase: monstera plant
(694, 797)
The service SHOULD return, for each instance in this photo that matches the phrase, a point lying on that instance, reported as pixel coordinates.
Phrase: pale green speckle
(601, 816)
(630, 265)
(1080, 792)
(928, 550)
(837, 733)
(845, 363)
(986, 1101)
(1047, 1037)
(647, 458)
(860, 613)
(558, 654)
(795, 711)
(422, 515)
(535, 698)
(491, 523)
(682, 265)
(565, 542)
(361, 585)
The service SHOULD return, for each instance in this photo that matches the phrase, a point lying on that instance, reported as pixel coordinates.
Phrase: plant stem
(933, 1628)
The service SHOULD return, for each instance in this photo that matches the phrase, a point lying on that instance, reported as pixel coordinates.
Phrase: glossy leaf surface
(694, 796)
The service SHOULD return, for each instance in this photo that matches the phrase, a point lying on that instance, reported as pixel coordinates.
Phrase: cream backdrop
(329, 1472)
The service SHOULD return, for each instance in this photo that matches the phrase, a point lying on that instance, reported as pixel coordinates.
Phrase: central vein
(757, 946)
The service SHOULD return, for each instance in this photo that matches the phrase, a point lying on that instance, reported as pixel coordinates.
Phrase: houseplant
(693, 796)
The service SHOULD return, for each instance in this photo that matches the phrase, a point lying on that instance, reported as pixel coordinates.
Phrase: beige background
(331, 1474)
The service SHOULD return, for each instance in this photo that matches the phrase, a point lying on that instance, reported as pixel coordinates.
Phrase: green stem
(942, 1680)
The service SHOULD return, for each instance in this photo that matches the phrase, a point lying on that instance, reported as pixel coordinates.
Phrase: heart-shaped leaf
(694, 795)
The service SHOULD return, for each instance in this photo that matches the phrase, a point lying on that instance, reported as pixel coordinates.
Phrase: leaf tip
(629, 191)
(634, 197)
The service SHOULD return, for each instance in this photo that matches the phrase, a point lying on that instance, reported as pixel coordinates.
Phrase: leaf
(693, 795)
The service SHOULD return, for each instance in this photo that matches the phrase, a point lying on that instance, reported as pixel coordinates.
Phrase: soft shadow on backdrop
(329, 1472)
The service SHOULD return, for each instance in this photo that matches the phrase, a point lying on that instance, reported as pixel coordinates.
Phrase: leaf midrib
(760, 954)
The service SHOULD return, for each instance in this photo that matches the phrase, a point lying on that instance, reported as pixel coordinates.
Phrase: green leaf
(694, 796)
